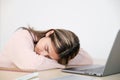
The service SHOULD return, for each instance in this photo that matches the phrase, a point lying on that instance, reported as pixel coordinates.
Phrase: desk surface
(49, 74)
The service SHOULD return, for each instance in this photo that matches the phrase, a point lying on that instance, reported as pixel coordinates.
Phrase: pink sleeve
(82, 58)
(20, 50)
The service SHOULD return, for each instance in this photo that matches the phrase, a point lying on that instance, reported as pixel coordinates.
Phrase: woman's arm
(20, 51)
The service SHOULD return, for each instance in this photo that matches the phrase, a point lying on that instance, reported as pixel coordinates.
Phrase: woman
(29, 49)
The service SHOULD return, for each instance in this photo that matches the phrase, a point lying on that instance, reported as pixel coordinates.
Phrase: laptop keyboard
(93, 71)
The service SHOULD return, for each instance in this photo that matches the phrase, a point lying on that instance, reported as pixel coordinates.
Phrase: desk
(49, 74)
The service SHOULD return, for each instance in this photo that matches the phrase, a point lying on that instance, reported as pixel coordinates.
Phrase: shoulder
(19, 42)
(21, 32)
(26, 33)
(19, 39)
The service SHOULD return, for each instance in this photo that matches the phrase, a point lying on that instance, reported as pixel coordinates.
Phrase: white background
(96, 22)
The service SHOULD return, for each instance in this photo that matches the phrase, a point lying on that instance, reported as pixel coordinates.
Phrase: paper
(29, 76)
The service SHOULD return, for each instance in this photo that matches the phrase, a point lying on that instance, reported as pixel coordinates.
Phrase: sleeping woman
(30, 49)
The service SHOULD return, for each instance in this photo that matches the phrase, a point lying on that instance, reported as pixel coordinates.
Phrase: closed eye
(49, 57)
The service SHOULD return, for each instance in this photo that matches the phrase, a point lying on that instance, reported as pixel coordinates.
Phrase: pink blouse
(19, 52)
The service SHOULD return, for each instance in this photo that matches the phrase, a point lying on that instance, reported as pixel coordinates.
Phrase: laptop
(112, 65)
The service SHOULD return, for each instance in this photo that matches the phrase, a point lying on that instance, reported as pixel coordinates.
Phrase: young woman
(29, 49)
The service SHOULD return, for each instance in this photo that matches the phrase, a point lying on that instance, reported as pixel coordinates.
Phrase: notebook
(112, 65)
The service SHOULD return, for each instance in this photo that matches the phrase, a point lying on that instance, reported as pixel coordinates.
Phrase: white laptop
(112, 65)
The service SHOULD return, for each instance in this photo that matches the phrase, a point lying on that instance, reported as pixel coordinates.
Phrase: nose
(44, 53)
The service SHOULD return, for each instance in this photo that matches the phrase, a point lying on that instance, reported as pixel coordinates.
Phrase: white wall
(94, 21)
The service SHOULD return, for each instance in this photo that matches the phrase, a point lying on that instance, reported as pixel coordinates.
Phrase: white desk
(49, 74)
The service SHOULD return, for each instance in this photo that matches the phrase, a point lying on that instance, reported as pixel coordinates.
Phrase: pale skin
(46, 48)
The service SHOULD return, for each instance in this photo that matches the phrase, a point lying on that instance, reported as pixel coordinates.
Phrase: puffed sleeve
(20, 51)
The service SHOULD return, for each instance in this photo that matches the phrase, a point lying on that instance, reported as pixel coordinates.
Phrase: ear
(49, 33)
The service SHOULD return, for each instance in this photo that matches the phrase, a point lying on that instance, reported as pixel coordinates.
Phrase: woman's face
(46, 48)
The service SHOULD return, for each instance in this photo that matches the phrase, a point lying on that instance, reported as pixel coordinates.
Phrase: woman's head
(66, 44)
(59, 44)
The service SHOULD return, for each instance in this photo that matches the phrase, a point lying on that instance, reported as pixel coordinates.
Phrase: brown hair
(65, 41)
